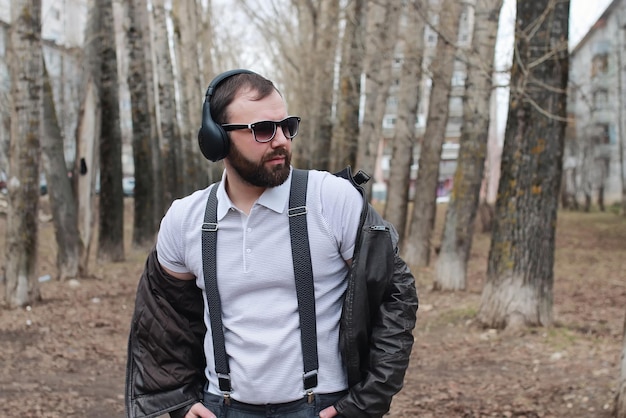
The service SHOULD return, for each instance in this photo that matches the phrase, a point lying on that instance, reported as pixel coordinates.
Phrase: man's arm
(180, 276)
(391, 338)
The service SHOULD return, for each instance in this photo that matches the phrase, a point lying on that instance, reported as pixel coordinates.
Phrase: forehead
(246, 107)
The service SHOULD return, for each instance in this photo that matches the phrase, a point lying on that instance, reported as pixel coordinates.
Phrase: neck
(242, 194)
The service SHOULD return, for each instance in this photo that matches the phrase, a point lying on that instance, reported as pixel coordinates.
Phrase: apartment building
(596, 102)
(455, 110)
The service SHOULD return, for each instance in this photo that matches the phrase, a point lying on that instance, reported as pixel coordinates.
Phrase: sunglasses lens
(264, 131)
(290, 126)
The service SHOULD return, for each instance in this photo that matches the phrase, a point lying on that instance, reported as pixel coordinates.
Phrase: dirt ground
(66, 356)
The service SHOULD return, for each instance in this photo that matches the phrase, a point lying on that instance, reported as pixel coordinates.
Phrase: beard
(257, 174)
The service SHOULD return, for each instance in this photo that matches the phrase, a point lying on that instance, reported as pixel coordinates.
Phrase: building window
(600, 99)
(389, 122)
(458, 79)
(599, 64)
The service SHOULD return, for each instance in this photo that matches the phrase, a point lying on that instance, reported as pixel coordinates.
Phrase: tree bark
(620, 403)
(520, 271)
(382, 35)
(171, 145)
(418, 243)
(111, 211)
(186, 49)
(87, 132)
(25, 58)
(404, 140)
(346, 130)
(456, 244)
(325, 44)
(62, 199)
(144, 223)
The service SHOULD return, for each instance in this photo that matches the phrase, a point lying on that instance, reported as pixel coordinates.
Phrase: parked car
(128, 186)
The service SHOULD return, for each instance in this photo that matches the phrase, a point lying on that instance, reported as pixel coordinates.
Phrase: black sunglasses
(264, 131)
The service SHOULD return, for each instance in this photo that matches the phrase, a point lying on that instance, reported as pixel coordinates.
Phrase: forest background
(358, 51)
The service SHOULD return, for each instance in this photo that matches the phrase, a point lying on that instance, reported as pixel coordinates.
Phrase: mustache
(281, 152)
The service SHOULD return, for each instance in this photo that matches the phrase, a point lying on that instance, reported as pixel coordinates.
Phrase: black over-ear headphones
(212, 138)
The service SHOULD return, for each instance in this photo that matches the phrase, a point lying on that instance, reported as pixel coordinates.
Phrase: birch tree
(520, 271)
(345, 133)
(171, 142)
(62, 196)
(25, 58)
(404, 140)
(111, 210)
(418, 243)
(87, 131)
(458, 231)
(326, 24)
(144, 222)
(381, 38)
(191, 91)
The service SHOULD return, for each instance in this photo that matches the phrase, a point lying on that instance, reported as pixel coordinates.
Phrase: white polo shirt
(257, 286)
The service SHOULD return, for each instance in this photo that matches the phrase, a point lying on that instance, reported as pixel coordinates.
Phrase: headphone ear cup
(212, 138)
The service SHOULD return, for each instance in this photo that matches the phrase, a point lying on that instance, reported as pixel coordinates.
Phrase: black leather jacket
(165, 369)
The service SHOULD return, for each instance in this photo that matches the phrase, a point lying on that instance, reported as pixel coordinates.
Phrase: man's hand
(328, 412)
(199, 410)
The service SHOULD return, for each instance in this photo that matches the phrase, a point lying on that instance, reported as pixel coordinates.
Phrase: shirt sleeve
(170, 243)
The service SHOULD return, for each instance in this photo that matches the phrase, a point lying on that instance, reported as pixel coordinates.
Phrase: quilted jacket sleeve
(165, 365)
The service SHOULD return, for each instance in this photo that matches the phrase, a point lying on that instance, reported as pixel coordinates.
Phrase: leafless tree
(62, 196)
(144, 223)
(418, 243)
(346, 128)
(111, 202)
(25, 68)
(620, 404)
(461, 212)
(185, 22)
(171, 148)
(381, 37)
(520, 275)
(404, 140)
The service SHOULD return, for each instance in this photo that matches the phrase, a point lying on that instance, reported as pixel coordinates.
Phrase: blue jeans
(296, 409)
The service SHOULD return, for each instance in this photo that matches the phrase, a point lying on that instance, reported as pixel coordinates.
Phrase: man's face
(259, 164)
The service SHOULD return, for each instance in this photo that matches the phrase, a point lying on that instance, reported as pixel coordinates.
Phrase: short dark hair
(226, 91)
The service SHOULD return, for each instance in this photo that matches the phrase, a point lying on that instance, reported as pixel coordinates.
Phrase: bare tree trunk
(158, 194)
(111, 211)
(382, 35)
(144, 223)
(87, 131)
(346, 130)
(418, 243)
(25, 58)
(404, 140)
(207, 34)
(186, 49)
(458, 229)
(620, 402)
(62, 200)
(171, 145)
(325, 44)
(520, 272)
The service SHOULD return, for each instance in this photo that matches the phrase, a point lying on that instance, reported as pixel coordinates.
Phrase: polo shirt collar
(273, 198)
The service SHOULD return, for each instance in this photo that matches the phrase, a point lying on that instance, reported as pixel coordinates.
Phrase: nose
(280, 140)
